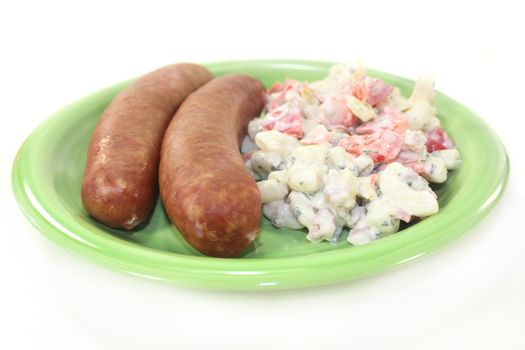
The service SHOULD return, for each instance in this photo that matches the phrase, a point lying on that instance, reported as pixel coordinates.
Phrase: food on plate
(348, 151)
(119, 187)
(206, 190)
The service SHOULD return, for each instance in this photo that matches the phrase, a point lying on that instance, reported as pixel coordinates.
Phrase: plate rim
(244, 274)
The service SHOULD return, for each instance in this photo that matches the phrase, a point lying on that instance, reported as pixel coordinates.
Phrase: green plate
(49, 166)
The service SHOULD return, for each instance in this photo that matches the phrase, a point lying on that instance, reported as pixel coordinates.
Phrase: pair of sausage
(206, 191)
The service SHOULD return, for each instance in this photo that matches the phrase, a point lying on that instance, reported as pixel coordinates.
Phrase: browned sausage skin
(206, 190)
(119, 187)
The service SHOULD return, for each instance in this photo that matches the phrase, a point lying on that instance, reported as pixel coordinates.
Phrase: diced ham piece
(378, 91)
(401, 215)
(371, 91)
(286, 120)
(417, 166)
(382, 146)
(390, 119)
(277, 93)
(360, 89)
(337, 114)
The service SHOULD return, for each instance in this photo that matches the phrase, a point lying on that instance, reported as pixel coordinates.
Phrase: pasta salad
(348, 151)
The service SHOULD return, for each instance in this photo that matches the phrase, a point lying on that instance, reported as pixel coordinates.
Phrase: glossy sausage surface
(205, 188)
(119, 188)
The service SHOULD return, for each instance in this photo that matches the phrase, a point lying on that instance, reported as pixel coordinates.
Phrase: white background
(470, 294)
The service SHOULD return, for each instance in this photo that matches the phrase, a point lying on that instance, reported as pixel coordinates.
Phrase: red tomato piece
(437, 139)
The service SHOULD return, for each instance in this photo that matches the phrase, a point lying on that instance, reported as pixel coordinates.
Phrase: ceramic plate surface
(48, 170)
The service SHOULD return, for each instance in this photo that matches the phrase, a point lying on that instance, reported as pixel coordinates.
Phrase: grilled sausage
(119, 187)
(206, 190)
